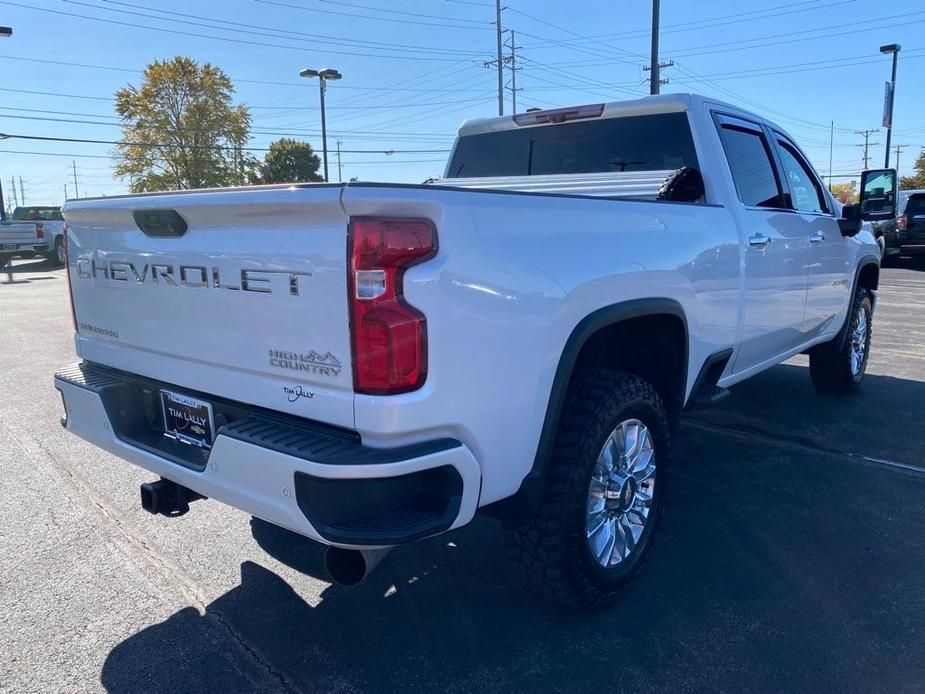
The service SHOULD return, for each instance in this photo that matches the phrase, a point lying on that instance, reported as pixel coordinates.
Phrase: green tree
(916, 180)
(290, 161)
(181, 130)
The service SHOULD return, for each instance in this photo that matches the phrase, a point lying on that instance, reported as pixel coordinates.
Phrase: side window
(750, 162)
(804, 188)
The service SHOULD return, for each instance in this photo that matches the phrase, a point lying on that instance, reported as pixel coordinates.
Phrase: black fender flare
(838, 342)
(523, 503)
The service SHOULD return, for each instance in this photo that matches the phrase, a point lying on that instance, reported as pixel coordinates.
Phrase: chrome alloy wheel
(620, 493)
(859, 342)
(60, 253)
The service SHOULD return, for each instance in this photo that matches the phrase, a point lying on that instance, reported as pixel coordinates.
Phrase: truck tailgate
(248, 303)
(20, 232)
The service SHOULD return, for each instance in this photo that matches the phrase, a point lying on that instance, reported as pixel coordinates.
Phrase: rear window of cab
(654, 142)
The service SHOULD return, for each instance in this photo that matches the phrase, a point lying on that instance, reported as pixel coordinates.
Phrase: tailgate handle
(160, 222)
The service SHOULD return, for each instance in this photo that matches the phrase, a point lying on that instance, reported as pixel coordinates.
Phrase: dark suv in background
(909, 238)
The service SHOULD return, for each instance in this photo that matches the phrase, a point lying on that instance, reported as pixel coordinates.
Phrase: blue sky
(413, 71)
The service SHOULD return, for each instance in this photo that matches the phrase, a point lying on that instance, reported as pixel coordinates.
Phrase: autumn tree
(181, 130)
(916, 180)
(290, 161)
(845, 192)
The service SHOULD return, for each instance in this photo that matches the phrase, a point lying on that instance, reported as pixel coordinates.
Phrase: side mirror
(878, 194)
(850, 222)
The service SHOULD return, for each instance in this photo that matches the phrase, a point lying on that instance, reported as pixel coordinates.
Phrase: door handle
(759, 241)
(817, 237)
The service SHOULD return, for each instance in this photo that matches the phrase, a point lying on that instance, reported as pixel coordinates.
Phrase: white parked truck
(33, 231)
(372, 364)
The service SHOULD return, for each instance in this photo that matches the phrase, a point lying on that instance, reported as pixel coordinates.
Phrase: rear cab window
(37, 214)
(750, 163)
(652, 142)
(915, 205)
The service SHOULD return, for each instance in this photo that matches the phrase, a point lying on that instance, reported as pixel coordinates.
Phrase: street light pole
(893, 48)
(324, 129)
(5, 32)
(323, 76)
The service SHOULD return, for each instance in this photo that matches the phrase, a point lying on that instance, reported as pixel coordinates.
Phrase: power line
(397, 12)
(788, 37)
(398, 56)
(248, 29)
(364, 16)
(710, 22)
(155, 145)
(299, 85)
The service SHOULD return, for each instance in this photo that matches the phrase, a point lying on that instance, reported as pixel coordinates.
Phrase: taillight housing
(67, 265)
(39, 231)
(389, 335)
(901, 222)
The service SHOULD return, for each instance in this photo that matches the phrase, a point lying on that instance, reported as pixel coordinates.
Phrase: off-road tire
(830, 364)
(552, 549)
(56, 256)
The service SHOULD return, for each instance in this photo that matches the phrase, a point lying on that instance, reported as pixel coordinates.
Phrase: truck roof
(659, 103)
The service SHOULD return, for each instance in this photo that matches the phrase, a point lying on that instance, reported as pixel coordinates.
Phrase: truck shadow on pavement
(779, 568)
(880, 420)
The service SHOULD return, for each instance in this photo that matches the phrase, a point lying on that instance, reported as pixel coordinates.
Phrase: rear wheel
(840, 368)
(58, 256)
(605, 492)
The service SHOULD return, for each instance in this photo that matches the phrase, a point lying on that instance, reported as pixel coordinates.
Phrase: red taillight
(39, 231)
(901, 222)
(67, 265)
(389, 335)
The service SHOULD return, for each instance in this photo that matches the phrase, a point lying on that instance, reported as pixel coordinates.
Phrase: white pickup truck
(32, 231)
(371, 364)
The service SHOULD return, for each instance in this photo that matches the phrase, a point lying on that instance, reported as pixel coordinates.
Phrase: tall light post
(323, 76)
(5, 33)
(893, 48)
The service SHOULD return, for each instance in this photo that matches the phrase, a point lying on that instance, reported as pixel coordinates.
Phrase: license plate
(9, 246)
(187, 419)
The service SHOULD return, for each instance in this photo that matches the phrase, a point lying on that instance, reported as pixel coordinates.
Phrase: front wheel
(605, 492)
(842, 370)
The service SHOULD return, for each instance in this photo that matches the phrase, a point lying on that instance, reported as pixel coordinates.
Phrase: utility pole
(831, 147)
(654, 79)
(339, 178)
(22, 192)
(65, 191)
(660, 82)
(867, 143)
(511, 60)
(898, 149)
(76, 191)
(499, 58)
(13, 186)
(2, 204)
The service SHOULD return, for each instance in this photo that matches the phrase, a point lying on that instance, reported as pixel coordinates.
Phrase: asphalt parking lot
(791, 558)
